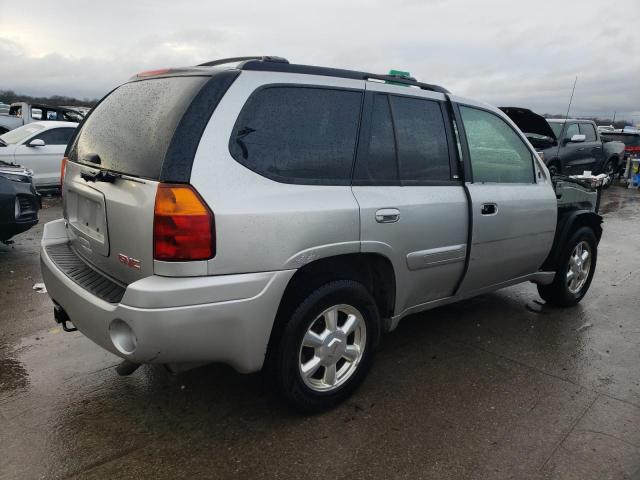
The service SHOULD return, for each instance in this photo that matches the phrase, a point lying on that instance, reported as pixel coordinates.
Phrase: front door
(513, 205)
(45, 160)
(413, 209)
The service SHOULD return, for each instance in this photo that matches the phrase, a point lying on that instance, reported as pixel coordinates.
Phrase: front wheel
(554, 169)
(327, 346)
(574, 270)
(609, 170)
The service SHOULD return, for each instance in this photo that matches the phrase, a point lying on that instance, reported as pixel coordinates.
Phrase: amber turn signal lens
(183, 226)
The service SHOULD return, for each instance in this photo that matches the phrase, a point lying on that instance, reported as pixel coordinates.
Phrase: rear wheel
(574, 270)
(326, 347)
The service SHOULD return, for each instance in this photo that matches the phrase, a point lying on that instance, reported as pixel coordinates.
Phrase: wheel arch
(373, 270)
(568, 223)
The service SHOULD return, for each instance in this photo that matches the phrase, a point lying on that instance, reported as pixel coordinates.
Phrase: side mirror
(36, 143)
(577, 138)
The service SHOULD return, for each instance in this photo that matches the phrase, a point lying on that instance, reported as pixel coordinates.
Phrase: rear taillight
(183, 225)
(63, 170)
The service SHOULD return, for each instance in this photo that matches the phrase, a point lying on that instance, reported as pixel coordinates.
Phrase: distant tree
(9, 96)
(598, 120)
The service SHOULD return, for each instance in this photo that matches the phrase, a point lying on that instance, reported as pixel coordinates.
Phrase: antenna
(571, 99)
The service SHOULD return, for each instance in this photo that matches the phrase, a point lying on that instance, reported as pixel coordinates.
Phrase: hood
(15, 172)
(529, 122)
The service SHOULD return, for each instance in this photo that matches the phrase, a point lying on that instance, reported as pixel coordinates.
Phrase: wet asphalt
(499, 386)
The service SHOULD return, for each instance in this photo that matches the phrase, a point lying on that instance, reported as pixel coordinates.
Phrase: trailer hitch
(62, 318)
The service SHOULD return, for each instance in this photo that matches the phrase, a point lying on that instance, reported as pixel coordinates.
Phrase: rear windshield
(131, 129)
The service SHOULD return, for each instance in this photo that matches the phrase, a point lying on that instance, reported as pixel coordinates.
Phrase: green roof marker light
(399, 74)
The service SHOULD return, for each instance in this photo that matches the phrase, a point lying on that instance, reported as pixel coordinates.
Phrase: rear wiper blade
(99, 176)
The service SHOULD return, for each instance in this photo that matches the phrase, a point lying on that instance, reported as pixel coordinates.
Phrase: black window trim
(467, 153)
(302, 181)
(361, 155)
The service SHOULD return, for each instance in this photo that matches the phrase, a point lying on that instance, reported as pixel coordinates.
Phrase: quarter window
(298, 134)
(498, 154)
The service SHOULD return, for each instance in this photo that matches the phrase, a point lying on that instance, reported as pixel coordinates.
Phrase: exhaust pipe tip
(127, 368)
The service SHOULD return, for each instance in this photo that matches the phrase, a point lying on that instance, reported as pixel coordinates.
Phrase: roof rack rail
(278, 64)
(223, 61)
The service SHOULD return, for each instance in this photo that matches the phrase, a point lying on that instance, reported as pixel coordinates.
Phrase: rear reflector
(63, 170)
(183, 225)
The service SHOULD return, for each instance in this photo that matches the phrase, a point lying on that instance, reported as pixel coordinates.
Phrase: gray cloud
(499, 51)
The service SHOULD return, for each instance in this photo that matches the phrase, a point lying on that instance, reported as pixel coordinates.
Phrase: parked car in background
(284, 216)
(40, 147)
(22, 113)
(19, 201)
(4, 109)
(631, 142)
(606, 128)
(569, 146)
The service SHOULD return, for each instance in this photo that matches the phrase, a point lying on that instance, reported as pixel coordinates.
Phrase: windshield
(21, 133)
(556, 127)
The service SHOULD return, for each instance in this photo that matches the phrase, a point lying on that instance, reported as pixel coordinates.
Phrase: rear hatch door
(115, 165)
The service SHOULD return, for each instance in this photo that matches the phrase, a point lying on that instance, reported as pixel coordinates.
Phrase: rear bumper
(226, 318)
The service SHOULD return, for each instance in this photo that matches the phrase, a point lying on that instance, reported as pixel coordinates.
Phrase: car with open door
(569, 146)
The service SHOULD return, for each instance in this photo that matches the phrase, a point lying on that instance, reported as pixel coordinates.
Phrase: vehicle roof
(282, 65)
(42, 105)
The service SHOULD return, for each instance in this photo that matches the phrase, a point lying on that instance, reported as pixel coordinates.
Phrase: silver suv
(276, 216)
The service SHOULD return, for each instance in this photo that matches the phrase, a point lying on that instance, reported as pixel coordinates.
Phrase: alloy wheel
(332, 348)
(579, 267)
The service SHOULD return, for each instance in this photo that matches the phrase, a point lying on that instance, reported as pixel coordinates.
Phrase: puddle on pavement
(13, 375)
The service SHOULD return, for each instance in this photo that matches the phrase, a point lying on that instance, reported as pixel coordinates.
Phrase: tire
(298, 349)
(554, 169)
(610, 169)
(566, 292)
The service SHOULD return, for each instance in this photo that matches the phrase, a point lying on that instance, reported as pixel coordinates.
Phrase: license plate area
(87, 219)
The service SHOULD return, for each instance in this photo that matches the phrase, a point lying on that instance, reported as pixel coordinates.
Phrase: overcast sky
(508, 53)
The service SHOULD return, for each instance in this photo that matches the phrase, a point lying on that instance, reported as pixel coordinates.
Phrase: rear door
(413, 208)
(513, 204)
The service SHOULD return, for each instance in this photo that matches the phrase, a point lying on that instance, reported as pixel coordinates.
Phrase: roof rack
(280, 64)
(223, 61)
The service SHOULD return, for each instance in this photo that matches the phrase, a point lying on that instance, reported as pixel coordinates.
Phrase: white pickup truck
(22, 113)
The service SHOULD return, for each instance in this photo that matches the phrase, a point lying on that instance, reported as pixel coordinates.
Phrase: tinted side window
(571, 131)
(56, 136)
(298, 134)
(423, 154)
(379, 164)
(588, 130)
(498, 154)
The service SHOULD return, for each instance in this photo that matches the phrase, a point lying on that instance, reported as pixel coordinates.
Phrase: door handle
(489, 209)
(387, 215)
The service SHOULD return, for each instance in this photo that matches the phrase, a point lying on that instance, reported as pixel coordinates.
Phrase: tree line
(9, 96)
